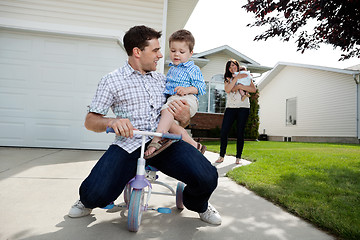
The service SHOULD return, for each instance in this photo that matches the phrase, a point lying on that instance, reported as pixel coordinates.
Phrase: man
(135, 94)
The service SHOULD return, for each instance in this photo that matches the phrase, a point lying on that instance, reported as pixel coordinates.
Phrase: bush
(251, 128)
(252, 125)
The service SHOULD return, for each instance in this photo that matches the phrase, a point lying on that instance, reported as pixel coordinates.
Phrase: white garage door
(46, 83)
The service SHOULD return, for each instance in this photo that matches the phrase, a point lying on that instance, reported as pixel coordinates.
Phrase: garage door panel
(50, 133)
(107, 55)
(95, 140)
(64, 48)
(55, 106)
(12, 132)
(84, 101)
(13, 74)
(46, 83)
(13, 103)
(59, 78)
(88, 80)
(13, 46)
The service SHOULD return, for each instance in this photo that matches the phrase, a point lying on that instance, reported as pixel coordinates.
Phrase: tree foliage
(337, 22)
(252, 125)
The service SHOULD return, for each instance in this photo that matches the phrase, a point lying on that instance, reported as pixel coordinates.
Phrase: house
(53, 54)
(212, 105)
(306, 103)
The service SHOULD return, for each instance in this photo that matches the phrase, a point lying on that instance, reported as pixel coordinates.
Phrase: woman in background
(236, 110)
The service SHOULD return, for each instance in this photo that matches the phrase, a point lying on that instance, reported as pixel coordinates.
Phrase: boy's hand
(181, 91)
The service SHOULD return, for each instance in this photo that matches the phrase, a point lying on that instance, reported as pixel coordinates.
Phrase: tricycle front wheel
(136, 208)
(179, 195)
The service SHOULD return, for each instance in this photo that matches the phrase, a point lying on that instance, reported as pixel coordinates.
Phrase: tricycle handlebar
(155, 134)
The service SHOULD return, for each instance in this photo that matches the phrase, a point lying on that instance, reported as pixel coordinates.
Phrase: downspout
(163, 38)
(356, 79)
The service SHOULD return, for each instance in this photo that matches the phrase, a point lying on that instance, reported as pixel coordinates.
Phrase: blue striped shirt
(185, 75)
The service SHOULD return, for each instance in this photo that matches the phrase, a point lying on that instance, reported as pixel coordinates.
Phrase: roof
(281, 65)
(229, 51)
(355, 67)
(251, 64)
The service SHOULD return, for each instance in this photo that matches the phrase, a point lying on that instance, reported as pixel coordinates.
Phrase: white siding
(215, 66)
(119, 14)
(178, 14)
(326, 103)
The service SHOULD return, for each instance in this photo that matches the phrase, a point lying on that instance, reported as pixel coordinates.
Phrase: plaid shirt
(131, 95)
(185, 75)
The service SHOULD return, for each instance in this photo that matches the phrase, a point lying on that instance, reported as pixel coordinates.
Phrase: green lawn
(316, 181)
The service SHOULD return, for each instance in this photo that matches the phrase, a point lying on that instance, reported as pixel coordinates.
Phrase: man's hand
(98, 123)
(122, 127)
(180, 109)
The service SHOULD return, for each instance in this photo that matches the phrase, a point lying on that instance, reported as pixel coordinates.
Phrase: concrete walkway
(38, 186)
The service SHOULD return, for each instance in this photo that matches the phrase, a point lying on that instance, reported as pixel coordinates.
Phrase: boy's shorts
(190, 99)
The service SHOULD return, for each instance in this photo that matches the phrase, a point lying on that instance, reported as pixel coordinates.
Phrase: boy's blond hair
(183, 36)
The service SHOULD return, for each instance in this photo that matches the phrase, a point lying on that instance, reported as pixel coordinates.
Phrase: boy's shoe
(79, 210)
(211, 215)
(201, 148)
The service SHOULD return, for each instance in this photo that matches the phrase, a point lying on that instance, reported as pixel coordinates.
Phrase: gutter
(357, 80)
(61, 29)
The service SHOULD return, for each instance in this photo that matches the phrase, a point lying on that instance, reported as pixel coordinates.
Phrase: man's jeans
(180, 161)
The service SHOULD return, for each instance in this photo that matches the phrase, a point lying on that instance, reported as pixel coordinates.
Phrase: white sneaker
(79, 210)
(211, 215)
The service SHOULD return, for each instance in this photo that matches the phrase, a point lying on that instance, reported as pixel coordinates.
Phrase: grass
(317, 181)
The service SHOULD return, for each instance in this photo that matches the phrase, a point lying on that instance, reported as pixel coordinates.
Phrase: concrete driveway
(38, 186)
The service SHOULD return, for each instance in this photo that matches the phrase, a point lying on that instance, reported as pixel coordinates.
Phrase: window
(215, 98)
(291, 111)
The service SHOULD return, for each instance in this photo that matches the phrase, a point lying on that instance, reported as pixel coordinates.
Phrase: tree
(252, 125)
(337, 22)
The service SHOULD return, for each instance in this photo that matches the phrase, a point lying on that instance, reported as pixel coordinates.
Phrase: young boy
(244, 81)
(184, 81)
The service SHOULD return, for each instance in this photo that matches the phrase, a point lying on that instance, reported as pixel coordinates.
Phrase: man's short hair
(183, 36)
(138, 36)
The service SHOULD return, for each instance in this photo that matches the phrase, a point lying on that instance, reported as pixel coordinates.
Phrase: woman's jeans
(180, 160)
(231, 114)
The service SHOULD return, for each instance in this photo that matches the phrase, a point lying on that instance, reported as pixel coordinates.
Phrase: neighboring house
(212, 64)
(53, 54)
(306, 103)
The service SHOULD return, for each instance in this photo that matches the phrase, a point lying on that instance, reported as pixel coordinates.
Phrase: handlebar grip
(109, 130)
(171, 136)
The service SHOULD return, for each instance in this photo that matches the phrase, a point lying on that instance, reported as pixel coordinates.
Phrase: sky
(215, 23)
